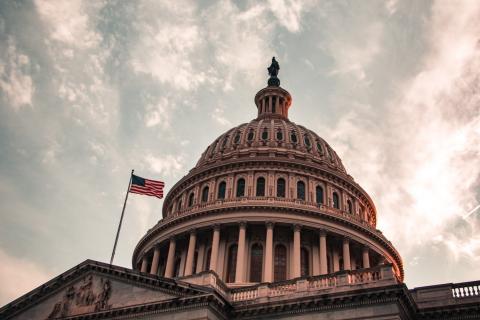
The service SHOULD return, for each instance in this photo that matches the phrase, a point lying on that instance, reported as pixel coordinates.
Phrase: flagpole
(121, 218)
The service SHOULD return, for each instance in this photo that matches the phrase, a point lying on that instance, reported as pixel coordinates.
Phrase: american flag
(147, 187)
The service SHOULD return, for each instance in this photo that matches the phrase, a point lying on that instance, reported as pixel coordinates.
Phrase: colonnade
(241, 258)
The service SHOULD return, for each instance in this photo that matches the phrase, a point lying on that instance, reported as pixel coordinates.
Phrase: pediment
(93, 289)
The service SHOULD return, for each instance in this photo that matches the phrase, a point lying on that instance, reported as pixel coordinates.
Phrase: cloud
(420, 156)
(15, 79)
(167, 165)
(289, 12)
(218, 116)
(159, 114)
(18, 276)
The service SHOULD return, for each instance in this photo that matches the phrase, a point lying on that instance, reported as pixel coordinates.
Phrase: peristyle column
(190, 253)
(366, 257)
(269, 253)
(346, 254)
(296, 251)
(144, 264)
(323, 252)
(214, 252)
(155, 261)
(239, 272)
(170, 258)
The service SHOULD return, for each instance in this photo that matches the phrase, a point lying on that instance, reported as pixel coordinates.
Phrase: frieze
(89, 296)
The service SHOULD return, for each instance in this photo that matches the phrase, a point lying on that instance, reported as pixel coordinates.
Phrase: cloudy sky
(91, 89)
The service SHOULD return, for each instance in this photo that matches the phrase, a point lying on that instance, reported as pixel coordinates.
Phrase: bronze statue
(273, 72)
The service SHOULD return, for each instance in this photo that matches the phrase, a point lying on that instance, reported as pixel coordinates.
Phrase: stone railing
(267, 201)
(340, 281)
(466, 289)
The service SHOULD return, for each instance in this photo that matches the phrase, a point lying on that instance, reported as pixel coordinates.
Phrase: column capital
(193, 231)
(269, 224)
(173, 238)
(322, 232)
(297, 227)
(365, 247)
(216, 227)
(346, 239)
(242, 224)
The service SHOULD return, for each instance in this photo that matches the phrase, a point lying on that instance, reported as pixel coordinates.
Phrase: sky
(92, 89)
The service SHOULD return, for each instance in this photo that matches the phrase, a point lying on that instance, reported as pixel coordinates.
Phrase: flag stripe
(147, 187)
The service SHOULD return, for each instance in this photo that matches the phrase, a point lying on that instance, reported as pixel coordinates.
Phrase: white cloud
(18, 276)
(421, 161)
(289, 12)
(159, 114)
(166, 165)
(15, 79)
(219, 117)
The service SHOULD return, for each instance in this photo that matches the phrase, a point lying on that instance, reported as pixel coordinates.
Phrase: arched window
(301, 190)
(207, 259)
(250, 135)
(304, 263)
(281, 188)
(190, 199)
(319, 148)
(260, 187)
(205, 194)
(350, 207)
(232, 263)
(241, 187)
(293, 137)
(222, 187)
(280, 263)
(279, 135)
(179, 204)
(236, 140)
(256, 263)
(265, 134)
(307, 141)
(319, 194)
(336, 201)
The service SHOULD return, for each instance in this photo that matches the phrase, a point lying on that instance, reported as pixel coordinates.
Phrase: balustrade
(466, 289)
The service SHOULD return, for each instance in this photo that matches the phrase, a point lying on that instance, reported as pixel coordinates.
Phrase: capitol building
(267, 225)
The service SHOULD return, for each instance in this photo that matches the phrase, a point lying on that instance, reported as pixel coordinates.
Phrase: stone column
(269, 253)
(366, 258)
(239, 271)
(144, 264)
(215, 243)
(323, 252)
(296, 251)
(190, 253)
(336, 264)
(155, 261)
(170, 258)
(346, 254)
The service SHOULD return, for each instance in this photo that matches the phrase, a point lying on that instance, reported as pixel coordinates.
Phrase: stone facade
(268, 225)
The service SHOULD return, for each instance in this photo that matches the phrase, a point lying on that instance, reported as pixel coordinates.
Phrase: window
(319, 147)
(350, 207)
(190, 199)
(179, 204)
(301, 190)
(222, 187)
(281, 188)
(319, 194)
(224, 143)
(305, 263)
(336, 201)
(250, 135)
(256, 263)
(232, 263)
(280, 263)
(260, 187)
(205, 194)
(241, 187)
(307, 142)
(265, 134)
(279, 135)
(293, 137)
(236, 140)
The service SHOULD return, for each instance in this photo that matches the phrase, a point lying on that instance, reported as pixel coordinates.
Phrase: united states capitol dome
(268, 200)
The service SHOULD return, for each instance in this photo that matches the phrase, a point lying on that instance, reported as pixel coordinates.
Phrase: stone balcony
(342, 281)
(447, 294)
